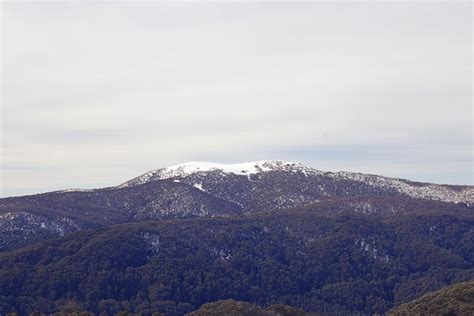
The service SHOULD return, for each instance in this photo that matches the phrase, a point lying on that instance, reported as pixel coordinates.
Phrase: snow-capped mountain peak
(189, 168)
(215, 189)
(246, 168)
(210, 176)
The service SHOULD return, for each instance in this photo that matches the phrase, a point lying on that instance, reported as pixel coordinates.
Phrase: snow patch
(428, 191)
(198, 186)
(153, 241)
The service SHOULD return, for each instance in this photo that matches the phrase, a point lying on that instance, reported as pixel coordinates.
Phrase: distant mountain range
(265, 232)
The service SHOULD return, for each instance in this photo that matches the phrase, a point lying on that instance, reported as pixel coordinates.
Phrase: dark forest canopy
(327, 263)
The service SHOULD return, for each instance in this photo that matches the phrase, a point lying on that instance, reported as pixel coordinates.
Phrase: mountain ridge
(443, 192)
(209, 190)
(255, 167)
(265, 232)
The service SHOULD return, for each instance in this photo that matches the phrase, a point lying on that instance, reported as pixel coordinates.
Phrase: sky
(96, 93)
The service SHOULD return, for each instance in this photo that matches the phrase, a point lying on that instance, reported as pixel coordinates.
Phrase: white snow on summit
(416, 190)
(189, 168)
(246, 168)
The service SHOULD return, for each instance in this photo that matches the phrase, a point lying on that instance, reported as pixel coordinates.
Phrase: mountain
(331, 263)
(208, 190)
(457, 299)
(28, 219)
(253, 184)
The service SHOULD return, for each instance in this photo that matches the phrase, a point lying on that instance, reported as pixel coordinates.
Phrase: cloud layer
(96, 93)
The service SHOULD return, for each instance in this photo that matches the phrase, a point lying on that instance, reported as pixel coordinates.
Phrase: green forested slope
(454, 300)
(331, 264)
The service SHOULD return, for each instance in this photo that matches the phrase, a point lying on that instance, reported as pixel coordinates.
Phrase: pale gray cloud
(96, 93)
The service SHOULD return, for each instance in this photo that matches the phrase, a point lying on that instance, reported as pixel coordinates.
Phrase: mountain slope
(299, 183)
(25, 220)
(327, 263)
(208, 189)
(454, 300)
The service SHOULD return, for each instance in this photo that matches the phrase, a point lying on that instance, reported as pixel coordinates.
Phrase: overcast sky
(96, 93)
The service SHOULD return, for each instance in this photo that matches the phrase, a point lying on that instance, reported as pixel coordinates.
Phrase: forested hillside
(454, 300)
(332, 264)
